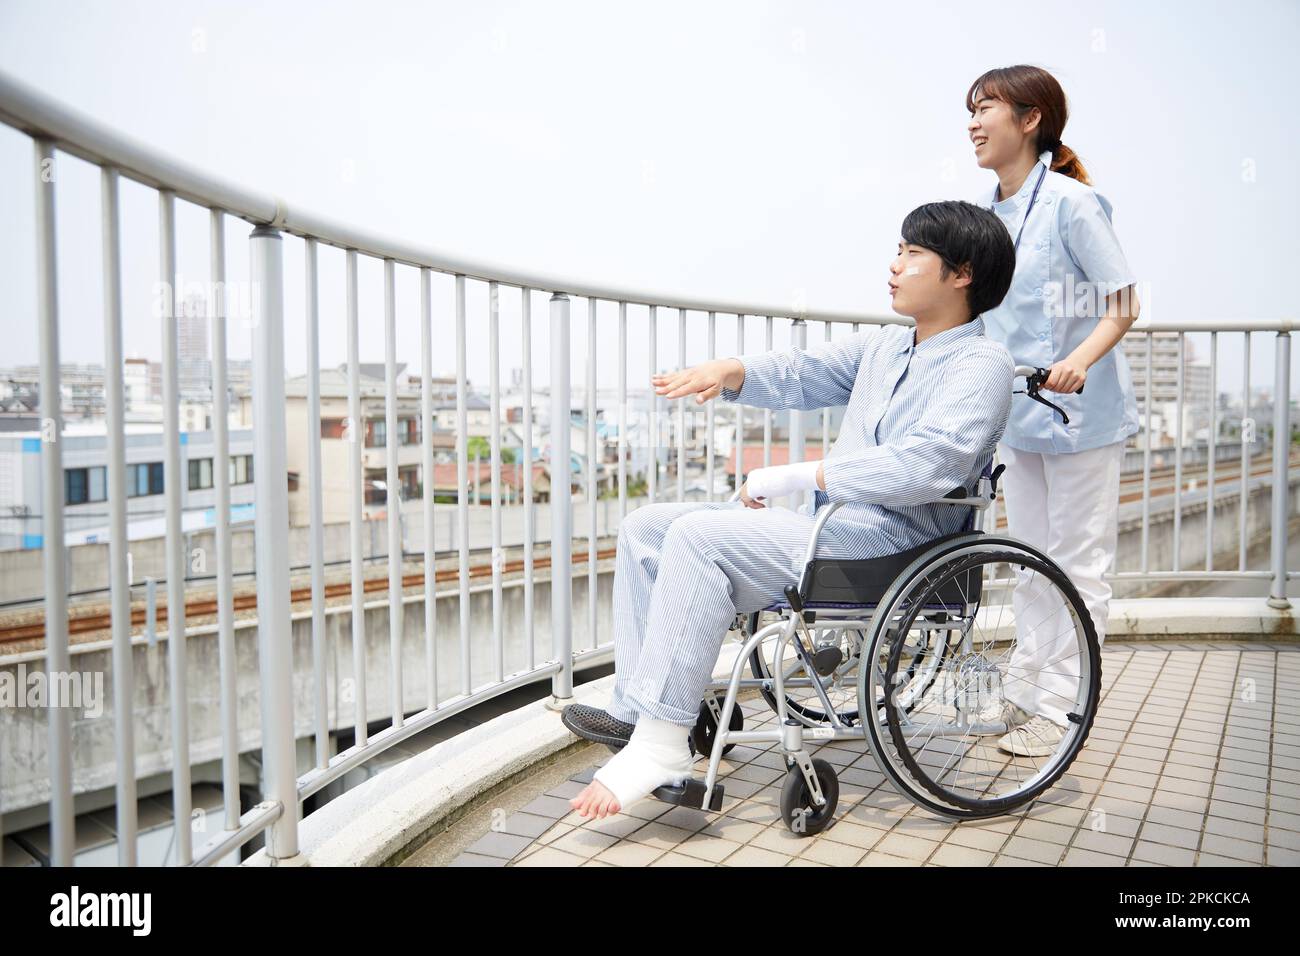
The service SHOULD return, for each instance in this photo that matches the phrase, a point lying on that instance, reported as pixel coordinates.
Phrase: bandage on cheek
(912, 271)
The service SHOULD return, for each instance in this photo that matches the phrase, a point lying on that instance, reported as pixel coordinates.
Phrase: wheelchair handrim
(904, 777)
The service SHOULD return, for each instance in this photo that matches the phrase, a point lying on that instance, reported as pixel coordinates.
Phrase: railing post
(1281, 455)
(561, 504)
(57, 661)
(799, 333)
(271, 539)
(393, 495)
(118, 544)
(740, 411)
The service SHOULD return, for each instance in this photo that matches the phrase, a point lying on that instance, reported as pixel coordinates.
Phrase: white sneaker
(1039, 737)
(1001, 712)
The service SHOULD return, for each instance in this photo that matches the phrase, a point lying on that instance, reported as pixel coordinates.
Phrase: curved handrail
(29, 110)
(26, 108)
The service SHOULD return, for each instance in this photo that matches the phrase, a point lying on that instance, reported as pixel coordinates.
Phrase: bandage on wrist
(780, 480)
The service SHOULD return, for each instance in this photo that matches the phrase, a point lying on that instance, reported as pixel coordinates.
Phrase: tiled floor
(1193, 760)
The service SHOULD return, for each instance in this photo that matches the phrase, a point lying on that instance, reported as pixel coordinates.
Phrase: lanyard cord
(1029, 209)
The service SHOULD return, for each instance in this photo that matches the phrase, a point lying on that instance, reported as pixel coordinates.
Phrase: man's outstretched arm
(803, 379)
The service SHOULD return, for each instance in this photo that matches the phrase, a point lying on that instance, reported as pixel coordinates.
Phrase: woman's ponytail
(1066, 162)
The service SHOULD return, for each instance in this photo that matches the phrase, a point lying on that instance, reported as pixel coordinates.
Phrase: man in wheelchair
(925, 410)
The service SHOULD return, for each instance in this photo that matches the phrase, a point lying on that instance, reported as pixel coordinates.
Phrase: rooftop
(1176, 772)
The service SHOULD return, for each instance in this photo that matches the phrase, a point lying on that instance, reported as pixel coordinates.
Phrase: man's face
(914, 282)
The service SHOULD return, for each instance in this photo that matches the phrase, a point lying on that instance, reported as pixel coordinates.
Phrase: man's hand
(748, 501)
(704, 381)
(764, 484)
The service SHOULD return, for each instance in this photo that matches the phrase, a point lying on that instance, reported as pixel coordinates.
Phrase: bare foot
(595, 801)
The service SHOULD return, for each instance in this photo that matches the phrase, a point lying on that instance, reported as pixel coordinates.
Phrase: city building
(334, 436)
(1164, 389)
(85, 483)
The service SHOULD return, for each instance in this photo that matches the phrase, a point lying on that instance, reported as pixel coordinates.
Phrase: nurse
(1072, 299)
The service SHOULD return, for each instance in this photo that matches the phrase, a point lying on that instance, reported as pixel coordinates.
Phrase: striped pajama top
(920, 421)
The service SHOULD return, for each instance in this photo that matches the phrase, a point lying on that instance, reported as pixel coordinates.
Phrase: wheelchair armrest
(811, 553)
(818, 524)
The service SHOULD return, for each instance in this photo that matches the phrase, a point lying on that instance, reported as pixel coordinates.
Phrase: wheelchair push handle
(1034, 378)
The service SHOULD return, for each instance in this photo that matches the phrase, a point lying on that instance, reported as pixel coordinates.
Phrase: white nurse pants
(1066, 505)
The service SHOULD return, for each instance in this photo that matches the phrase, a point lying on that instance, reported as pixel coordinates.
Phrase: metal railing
(54, 128)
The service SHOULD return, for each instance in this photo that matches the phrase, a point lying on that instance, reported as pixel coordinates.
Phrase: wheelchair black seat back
(854, 582)
(848, 583)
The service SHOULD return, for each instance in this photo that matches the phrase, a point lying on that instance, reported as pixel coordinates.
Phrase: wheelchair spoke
(803, 686)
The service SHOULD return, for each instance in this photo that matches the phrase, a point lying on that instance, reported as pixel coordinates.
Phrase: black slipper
(592, 723)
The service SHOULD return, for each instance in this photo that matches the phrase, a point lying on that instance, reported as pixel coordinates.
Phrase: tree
(638, 486)
(479, 444)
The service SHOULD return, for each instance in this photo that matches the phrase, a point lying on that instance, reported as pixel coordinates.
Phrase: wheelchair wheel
(1012, 623)
(797, 809)
(706, 726)
(805, 706)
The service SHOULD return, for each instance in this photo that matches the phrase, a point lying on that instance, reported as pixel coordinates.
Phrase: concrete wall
(23, 730)
(1259, 522)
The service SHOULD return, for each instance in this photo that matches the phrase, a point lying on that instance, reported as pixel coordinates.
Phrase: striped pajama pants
(683, 572)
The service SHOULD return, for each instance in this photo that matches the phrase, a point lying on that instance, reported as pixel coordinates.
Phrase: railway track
(99, 617)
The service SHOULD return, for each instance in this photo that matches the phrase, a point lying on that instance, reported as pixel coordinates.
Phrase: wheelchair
(912, 653)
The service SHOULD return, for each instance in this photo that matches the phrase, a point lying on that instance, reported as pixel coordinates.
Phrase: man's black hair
(960, 234)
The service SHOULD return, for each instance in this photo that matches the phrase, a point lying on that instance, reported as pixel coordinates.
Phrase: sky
(755, 152)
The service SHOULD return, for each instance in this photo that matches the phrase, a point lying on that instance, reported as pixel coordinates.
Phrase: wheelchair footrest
(690, 794)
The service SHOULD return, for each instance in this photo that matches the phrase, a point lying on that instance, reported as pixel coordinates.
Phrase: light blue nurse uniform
(1067, 249)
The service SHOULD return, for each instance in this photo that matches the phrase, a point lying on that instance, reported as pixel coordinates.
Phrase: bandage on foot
(657, 755)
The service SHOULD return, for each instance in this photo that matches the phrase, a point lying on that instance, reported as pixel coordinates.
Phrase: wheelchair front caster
(797, 809)
(706, 729)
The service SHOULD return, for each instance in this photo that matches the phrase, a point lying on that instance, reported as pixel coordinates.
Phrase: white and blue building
(85, 483)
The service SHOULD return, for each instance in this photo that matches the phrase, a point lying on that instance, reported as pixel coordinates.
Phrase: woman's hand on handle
(1067, 375)
(704, 381)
